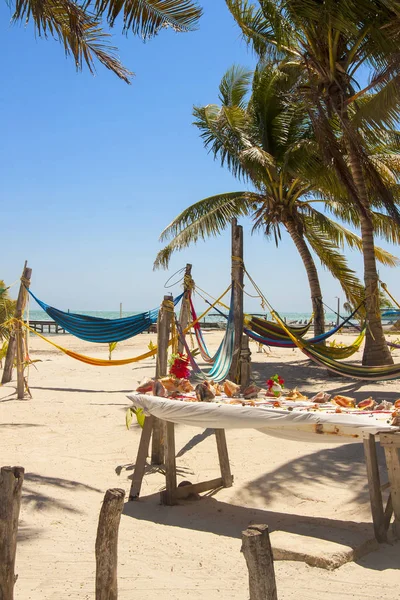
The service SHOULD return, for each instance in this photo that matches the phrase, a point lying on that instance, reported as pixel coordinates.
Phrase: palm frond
(206, 218)
(146, 17)
(234, 86)
(77, 29)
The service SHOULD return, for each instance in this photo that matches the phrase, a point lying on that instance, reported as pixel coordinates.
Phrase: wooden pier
(46, 327)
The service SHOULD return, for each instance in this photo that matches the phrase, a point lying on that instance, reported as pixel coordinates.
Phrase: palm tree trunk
(313, 279)
(376, 351)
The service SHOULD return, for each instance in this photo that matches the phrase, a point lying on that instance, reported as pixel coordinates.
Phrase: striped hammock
(98, 330)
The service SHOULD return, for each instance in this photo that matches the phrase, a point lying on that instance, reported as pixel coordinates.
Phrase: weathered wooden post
(107, 545)
(165, 317)
(237, 283)
(11, 480)
(15, 344)
(257, 551)
(184, 315)
(245, 363)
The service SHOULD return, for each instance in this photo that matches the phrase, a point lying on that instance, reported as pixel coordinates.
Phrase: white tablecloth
(295, 425)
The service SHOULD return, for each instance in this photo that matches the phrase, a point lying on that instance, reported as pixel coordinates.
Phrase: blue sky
(93, 170)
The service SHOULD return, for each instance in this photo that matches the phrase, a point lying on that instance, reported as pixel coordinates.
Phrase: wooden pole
(16, 334)
(163, 329)
(120, 310)
(374, 486)
(237, 283)
(245, 363)
(184, 315)
(11, 480)
(257, 551)
(107, 545)
(170, 465)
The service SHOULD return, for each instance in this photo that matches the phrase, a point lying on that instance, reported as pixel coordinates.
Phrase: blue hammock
(96, 329)
(222, 358)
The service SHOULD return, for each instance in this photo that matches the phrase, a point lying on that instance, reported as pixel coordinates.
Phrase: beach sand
(72, 441)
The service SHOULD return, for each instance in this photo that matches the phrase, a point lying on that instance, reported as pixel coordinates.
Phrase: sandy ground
(72, 440)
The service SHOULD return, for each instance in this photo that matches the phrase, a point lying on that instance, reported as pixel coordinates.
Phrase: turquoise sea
(40, 315)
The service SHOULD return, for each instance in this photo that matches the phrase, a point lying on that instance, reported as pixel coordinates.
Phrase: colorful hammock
(222, 358)
(273, 331)
(336, 352)
(111, 363)
(98, 330)
(288, 343)
(379, 373)
(205, 355)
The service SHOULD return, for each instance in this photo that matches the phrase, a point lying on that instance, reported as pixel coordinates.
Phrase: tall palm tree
(270, 144)
(329, 42)
(79, 26)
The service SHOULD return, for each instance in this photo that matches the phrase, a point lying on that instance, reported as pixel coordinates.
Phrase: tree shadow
(40, 501)
(344, 464)
(10, 425)
(66, 389)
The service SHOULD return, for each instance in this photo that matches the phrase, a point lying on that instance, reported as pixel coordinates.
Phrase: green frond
(78, 30)
(206, 218)
(234, 86)
(147, 17)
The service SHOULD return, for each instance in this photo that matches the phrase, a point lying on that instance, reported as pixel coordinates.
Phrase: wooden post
(391, 444)
(107, 545)
(163, 328)
(237, 283)
(120, 310)
(184, 315)
(16, 336)
(374, 486)
(170, 465)
(223, 458)
(245, 363)
(11, 480)
(257, 551)
(141, 458)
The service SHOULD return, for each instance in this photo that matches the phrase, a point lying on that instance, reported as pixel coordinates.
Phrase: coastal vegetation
(268, 141)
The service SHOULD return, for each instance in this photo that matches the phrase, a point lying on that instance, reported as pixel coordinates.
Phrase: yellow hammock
(338, 352)
(99, 362)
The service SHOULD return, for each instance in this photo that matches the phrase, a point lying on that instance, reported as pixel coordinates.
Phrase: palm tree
(7, 308)
(329, 41)
(78, 26)
(270, 144)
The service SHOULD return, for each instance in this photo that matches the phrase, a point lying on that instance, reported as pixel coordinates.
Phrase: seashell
(384, 405)
(277, 404)
(251, 392)
(344, 401)
(295, 395)
(338, 410)
(367, 404)
(397, 403)
(231, 389)
(321, 397)
(146, 385)
(203, 393)
(217, 389)
(184, 386)
(396, 419)
(170, 383)
(159, 389)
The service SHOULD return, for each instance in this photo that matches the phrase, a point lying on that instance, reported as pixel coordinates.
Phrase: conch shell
(146, 385)
(203, 393)
(344, 401)
(169, 383)
(251, 392)
(396, 418)
(397, 403)
(295, 395)
(159, 389)
(384, 405)
(184, 386)
(231, 389)
(321, 397)
(367, 404)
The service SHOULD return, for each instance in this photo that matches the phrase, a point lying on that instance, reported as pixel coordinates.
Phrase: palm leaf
(206, 218)
(146, 17)
(77, 29)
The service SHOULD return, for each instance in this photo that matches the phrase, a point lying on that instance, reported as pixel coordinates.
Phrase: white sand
(71, 439)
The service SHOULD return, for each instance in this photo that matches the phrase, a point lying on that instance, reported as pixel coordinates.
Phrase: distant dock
(46, 327)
